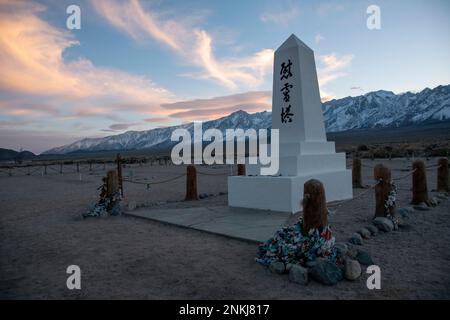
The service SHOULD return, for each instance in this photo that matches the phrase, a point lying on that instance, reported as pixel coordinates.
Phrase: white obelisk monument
(305, 152)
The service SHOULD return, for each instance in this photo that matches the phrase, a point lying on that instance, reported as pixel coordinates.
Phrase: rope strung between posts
(340, 203)
(213, 174)
(406, 175)
(156, 182)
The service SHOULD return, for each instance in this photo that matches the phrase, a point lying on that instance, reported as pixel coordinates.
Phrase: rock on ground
(364, 233)
(298, 274)
(356, 239)
(352, 269)
(373, 230)
(364, 258)
(326, 273)
(277, 267)
(383, 224)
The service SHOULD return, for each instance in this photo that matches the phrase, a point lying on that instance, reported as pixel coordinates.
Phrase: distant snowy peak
(374, 109)
(386, 109)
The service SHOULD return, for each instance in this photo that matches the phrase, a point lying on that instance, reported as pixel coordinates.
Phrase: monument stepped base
(285, 193)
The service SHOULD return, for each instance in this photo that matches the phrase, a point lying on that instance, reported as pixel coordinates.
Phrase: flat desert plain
(42, 232)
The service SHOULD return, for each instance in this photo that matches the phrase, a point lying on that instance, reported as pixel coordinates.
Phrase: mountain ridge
(372, 110)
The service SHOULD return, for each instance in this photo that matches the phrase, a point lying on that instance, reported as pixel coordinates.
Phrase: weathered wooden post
(90, 165)
(112, 188)
(28, 171)
(9, 172)
(356, 173)
(419, 183)
(314, 206)
(104, 165)
(241, 169)
(78, 167)
(119, 173)
(442, 175)
(384, 186)
(112, 183)
(61, 168)
(45, 169)
(191, 183)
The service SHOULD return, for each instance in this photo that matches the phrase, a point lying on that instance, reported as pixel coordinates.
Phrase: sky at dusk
(138, 65)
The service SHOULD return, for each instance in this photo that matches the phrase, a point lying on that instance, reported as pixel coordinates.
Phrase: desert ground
(42, 232)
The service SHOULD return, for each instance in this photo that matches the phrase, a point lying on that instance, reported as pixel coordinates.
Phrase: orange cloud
(330, 68)
(193, 44)
(31, 58)
(202, 109)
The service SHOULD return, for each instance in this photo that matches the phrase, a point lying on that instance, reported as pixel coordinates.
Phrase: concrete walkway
(247, 224)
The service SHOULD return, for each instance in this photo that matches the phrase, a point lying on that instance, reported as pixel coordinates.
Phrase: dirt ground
(42, 232)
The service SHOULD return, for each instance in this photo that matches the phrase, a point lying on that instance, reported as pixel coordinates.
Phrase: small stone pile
(290, 245)
(303, 255)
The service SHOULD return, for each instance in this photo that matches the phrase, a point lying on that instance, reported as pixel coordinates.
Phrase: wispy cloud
(122, 126)
(31, 53)
(220, 106)
(158, 119)
(326, 8)
(282, 16)
(331, 67)
(319, 38)
(192, 43)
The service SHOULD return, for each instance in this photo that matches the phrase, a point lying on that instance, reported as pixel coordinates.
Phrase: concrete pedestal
(285, 193)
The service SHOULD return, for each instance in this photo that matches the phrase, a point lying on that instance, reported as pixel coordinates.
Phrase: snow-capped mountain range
(374, 109)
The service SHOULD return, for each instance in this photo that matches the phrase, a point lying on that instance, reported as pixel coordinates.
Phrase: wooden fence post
(78, 167)
(191, 183)
(90, 165)
(112, 183)
(382, 175)
(419, 183)
(60, 168)
(314, 206)
(241, 169)
(45, 169)
(112, 187)
(119, 173)
(442, 176)
(356, 173)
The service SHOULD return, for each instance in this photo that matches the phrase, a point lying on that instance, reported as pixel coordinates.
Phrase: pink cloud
(193, 44)
(31, 58)
(201, 109)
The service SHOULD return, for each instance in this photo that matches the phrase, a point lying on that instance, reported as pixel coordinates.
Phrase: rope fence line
(406, 175)
(213, 174)
(154, 182)
(341, 203)
(371, 167)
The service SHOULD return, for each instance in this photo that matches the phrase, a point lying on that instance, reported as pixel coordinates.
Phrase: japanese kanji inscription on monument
(285, 73)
